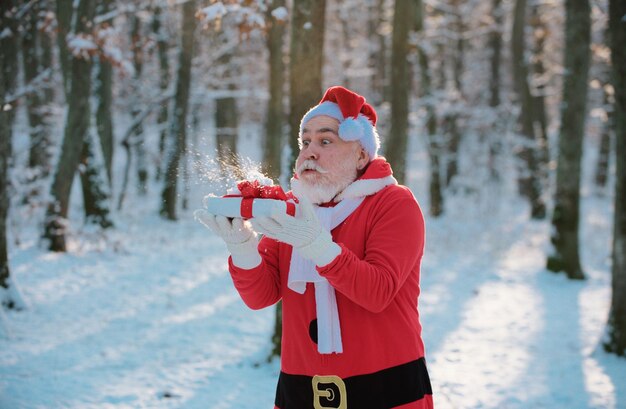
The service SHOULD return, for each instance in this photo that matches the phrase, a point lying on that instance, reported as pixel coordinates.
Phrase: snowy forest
(506, 118)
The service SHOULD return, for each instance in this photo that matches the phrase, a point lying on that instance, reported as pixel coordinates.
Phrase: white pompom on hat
(357, 118)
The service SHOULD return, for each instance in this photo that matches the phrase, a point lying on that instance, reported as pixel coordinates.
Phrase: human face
(326, 162)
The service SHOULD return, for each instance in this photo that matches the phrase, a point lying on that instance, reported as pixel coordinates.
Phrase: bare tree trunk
(451, 128)
(604, 154)
(104, 116)
(95, 187)
(275, 113)
(540, 117)
(164, 74)
(192, 155)
(615, 340)
(452, 136)
(442, 78)
(46, 47)
(396, 145)
(226, 131)
(344, 13)
(566, 213)
(95, 181)
(529, 178)
(226, 118)
(97, 153)
(378, 51)
(434, 144)
(76, 128)
(177, 129)
(305, 89)
(5, 158)
(434, 152)
(8, 73)
(129, 162)
(39, 152)
(274, 131)
(138, 137)
(104, 100)
(495, 42)
(305, 64)
(450, 124)
(459, 55)
(64, 11)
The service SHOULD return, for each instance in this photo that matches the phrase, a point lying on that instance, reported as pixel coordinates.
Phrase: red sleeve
(393, 249)
(259, 287)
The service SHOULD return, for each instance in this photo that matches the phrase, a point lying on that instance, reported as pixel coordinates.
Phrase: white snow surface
(145, 315)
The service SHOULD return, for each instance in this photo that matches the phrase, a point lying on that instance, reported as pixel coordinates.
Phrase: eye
(306, 142)
(326, 141)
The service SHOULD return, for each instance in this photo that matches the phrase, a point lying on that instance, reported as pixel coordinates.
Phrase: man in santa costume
(346, 267)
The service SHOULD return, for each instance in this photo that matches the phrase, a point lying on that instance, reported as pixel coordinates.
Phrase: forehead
(321, 121)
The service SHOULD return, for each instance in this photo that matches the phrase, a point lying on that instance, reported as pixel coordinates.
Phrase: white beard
(319, 194)
(324, 192)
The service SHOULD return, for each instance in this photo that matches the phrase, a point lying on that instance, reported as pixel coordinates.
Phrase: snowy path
(149, 319)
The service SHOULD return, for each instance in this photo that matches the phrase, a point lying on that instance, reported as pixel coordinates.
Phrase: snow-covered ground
(502, 332)
(145, 315)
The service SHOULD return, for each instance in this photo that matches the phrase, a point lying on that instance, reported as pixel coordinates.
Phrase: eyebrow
(327, 129)
(321, 130)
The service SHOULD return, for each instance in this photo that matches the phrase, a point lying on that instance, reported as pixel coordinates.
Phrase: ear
(363, 158)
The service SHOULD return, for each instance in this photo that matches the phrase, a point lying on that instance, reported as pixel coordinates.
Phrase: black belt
(384, 389)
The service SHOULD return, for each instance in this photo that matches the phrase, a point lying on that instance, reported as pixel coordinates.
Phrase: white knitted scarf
(303, 271)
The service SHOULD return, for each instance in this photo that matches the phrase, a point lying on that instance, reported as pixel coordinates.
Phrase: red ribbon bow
(256, 190)
(251, 190)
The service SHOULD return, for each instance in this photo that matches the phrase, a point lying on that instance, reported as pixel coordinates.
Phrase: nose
(310, 152)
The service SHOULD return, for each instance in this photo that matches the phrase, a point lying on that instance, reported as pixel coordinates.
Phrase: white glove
(304, 233)
(240, 239)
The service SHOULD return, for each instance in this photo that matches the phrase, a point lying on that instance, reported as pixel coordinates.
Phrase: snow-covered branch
(126, 139)
(81, 45)
(35, 85)
(247, 18)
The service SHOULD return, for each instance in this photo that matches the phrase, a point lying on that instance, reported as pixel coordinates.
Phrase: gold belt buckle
(332, 395)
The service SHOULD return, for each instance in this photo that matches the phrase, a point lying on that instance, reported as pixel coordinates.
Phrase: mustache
(310, 165)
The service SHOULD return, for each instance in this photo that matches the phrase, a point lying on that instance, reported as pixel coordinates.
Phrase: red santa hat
(357, 118)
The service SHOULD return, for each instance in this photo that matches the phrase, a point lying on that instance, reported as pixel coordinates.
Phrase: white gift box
(252, 207)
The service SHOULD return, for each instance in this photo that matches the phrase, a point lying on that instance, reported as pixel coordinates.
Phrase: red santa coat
(376, 281)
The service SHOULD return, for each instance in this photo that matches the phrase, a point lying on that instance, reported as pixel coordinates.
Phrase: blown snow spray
(246, 191)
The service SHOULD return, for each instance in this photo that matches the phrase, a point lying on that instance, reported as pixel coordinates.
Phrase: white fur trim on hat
(325, 108)
(350, 129)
